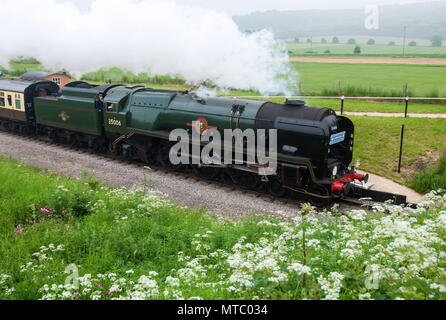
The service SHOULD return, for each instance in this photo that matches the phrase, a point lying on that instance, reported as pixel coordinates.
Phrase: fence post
(407, 105)
(342, 105)
(401, 148)
(300, 88)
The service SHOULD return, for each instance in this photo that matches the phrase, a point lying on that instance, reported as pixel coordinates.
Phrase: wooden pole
(407, 105)
(401, 148)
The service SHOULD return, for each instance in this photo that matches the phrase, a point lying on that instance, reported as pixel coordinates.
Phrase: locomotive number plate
(114, 122)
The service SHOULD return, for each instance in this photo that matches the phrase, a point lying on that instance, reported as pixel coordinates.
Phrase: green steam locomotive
(314, 145)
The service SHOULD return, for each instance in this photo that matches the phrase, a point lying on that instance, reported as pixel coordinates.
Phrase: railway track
(291, 199)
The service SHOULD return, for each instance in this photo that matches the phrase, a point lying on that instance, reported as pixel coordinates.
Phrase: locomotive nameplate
(337, 138)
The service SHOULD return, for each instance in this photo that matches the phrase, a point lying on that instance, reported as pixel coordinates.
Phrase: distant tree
(323, 40)
(357, 50)
(392, 43)
(371, 42)
(351, 41)
(327, 51)
(335, 40)
(412, 44)
(309, 40)
(436, 41)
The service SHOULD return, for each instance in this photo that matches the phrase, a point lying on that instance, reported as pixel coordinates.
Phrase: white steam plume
(160, 37)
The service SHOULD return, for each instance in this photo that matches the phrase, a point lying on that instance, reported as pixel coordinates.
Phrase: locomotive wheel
(208, 173)
(163, 157)
(319, 190)
(93, 145)
(143, 155)
(246, 180)
(276, 188)
(72, 141)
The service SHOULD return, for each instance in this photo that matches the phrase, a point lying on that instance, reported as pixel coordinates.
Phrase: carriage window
(2, 99)
(9, 100)
(18, 104)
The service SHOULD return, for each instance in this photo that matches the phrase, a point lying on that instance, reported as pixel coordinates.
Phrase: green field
(358, 79)
(325, 79)
(377, 50)
(65, 239)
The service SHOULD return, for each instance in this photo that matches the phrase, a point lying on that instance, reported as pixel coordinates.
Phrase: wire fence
(342, 99)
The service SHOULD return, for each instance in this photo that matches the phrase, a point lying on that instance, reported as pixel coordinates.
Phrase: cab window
(112, 107)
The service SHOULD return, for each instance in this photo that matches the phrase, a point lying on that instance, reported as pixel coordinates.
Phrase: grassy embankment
(135, 245)
(377, 142)
(432, 178)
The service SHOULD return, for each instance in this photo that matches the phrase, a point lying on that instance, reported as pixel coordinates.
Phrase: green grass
(134, 244)
(371, 79)
(377, 50)
(431, 179)
(377, 142)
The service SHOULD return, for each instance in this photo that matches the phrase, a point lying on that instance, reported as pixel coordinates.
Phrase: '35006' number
(114, 122)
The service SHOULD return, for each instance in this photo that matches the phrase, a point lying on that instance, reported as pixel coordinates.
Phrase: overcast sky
(246, 6)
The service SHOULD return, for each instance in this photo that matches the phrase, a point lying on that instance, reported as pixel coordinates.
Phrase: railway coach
(17, 102)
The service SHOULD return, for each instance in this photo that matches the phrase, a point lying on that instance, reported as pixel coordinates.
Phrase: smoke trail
(160, 37)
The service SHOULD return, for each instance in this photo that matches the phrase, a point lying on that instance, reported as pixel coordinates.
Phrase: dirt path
(401, 115)
(430, 61)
